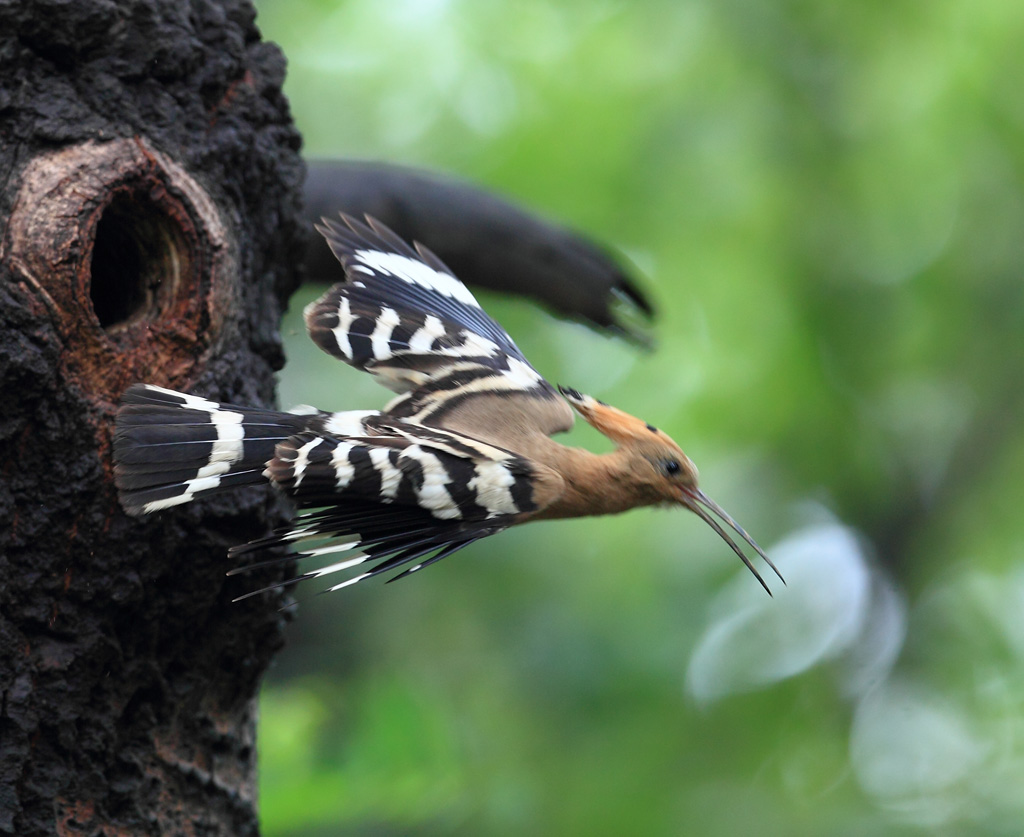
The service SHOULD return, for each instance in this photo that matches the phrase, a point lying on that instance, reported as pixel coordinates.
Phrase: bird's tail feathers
(171, 447)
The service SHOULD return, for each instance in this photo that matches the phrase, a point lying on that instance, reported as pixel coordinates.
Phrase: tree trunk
(149, 210)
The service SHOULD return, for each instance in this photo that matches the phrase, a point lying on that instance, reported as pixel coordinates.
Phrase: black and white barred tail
(171, 447)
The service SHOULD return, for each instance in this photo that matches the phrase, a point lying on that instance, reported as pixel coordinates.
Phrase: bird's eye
(671, 467)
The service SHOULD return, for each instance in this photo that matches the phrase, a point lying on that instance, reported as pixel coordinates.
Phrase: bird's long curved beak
(703, 506)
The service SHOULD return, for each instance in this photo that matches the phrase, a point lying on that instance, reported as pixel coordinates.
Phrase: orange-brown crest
(619, 426)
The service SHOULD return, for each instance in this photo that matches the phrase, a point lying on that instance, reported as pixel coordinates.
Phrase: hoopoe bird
(463, 452)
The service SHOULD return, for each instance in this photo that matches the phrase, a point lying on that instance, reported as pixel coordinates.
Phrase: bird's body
(462, 452)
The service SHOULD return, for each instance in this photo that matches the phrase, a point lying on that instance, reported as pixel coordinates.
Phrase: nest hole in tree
(139, 257)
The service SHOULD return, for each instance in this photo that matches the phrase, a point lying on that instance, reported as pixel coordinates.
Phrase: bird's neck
(595, 483)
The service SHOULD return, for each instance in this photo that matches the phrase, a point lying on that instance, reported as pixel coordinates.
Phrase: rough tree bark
(149, 206)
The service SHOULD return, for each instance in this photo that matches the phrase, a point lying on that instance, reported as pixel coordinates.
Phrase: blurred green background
(825, 200)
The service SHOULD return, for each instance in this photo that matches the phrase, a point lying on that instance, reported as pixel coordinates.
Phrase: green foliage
(826, 200)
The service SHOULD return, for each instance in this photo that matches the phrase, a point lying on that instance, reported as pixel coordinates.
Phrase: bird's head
(661, 472)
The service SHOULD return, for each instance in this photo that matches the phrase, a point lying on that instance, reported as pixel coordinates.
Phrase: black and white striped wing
(405, 494)
(403, 316)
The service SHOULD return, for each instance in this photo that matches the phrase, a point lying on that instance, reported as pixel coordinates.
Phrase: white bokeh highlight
(914, 751)
(833, 605)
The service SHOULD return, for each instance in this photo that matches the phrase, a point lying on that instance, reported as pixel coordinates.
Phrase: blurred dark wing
(487, 241)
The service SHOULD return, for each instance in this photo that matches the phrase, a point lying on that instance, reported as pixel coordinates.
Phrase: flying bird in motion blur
(463, 451)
